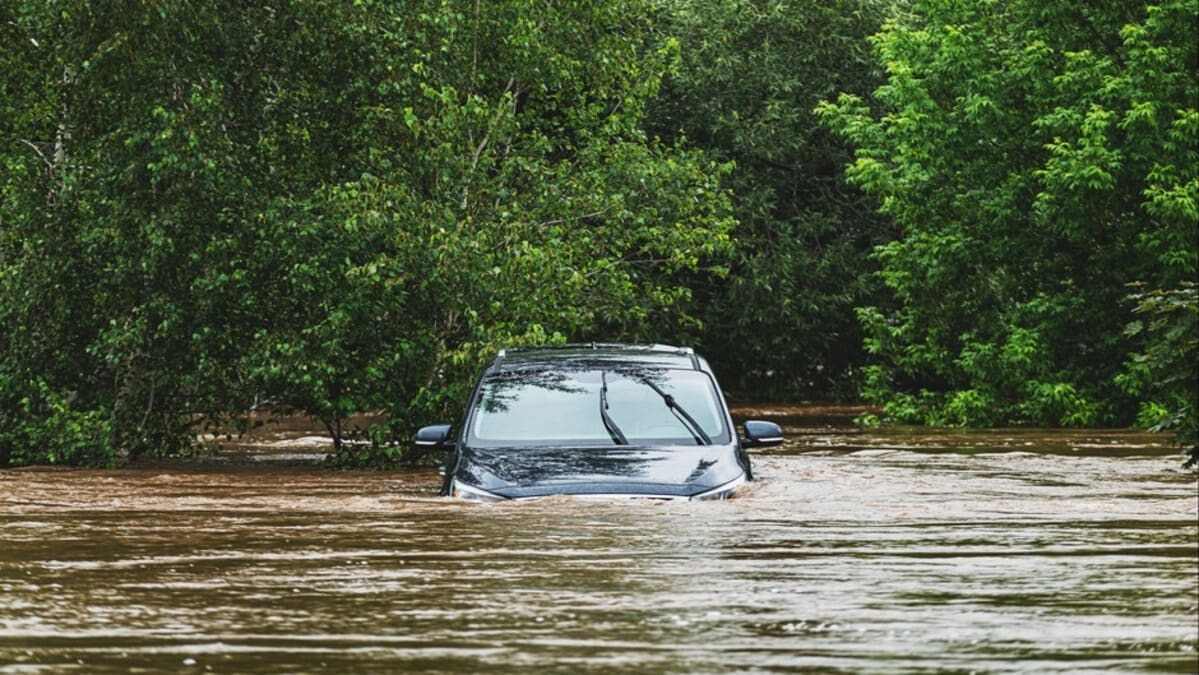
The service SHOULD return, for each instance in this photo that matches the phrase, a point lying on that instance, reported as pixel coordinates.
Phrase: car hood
(676, 471)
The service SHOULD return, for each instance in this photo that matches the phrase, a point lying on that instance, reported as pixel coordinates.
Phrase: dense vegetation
(334, 207)
(749, 79)
(1038, 158)
(330, 208)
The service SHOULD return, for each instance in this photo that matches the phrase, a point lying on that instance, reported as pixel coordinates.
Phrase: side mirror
(759, 434)
(432, 437)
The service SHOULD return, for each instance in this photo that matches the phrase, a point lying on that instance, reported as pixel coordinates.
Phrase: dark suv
(597, 419)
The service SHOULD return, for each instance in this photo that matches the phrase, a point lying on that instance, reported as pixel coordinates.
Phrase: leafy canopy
(781, 324)
(324, 207)
(1038, 157)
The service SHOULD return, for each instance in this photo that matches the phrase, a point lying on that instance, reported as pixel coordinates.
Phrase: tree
(1164, 373)
(750, 75)
(330, 208)
(1038, 158)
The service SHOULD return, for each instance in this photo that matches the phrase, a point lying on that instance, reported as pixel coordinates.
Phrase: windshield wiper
(609, 424)
(681, 413)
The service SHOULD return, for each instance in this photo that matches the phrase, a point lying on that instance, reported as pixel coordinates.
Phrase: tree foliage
(333, 208)
(327, 207)
(1038, 157)
(749, 77)
(1163, 373)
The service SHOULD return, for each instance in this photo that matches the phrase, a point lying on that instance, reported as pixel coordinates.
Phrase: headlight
(721, 492)
(463, 491)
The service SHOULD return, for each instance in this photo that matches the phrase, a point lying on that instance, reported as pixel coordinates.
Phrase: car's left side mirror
(760, 434)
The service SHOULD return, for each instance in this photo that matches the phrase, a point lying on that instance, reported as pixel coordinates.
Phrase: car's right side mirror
(760, 434)
(433, 437)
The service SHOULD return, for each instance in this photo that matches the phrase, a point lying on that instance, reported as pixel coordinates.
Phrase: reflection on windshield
(554, 407)
(505, 388)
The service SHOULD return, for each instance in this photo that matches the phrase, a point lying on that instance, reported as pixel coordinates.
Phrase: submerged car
(597, 420)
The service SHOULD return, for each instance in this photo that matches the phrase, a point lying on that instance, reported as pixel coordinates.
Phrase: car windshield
(554, 407)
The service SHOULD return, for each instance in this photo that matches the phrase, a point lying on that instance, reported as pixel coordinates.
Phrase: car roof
(591, 355)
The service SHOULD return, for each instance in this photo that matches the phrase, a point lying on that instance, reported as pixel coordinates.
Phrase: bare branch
(41, 155)
(558, 221)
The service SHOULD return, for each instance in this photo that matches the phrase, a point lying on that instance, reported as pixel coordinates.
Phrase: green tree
(330, 208)
(1038, 158)
(1163, 375)
(781, 324)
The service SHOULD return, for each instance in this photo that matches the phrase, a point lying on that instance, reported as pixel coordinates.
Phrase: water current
(891, 550)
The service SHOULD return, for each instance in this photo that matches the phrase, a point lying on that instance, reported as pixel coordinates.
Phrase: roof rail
(598, 345)
(593, 345)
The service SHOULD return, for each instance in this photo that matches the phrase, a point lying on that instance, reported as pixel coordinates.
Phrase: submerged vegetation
(334, 208)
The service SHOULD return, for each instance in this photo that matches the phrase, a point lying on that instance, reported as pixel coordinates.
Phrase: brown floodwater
(882, 550)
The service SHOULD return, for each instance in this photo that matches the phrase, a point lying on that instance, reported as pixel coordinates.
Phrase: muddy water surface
(856, 551)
